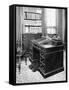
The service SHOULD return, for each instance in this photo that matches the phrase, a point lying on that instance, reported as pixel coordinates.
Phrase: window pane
(51, 17)
(51, 30)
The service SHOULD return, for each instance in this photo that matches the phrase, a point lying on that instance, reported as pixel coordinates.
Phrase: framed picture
(37, 44)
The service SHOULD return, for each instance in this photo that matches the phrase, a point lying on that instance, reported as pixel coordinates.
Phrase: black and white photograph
(40, 44)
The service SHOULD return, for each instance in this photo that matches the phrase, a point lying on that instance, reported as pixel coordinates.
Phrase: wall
(59, 24)
(44, 22)
(19, 22)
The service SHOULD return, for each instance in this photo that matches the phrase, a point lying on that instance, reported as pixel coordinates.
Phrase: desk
(49, 57)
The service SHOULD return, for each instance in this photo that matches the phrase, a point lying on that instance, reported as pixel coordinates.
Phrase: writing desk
(49, 56)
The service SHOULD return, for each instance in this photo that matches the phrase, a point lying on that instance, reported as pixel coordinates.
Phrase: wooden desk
(50, 59)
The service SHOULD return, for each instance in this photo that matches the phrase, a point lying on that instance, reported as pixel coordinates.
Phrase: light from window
(51, 31)
(51, 21)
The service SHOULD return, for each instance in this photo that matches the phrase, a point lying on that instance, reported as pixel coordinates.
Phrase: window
(51, 21)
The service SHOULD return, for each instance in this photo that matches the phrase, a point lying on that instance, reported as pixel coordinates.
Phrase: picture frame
(29, 24)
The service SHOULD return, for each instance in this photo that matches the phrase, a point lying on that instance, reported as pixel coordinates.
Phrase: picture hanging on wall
(37, 44)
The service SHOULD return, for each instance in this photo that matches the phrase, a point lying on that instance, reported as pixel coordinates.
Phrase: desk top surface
(46, 43)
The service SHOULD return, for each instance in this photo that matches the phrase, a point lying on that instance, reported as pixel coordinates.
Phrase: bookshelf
(32, 20)
(32, 27)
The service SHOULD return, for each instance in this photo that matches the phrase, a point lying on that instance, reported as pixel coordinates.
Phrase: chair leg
(26, 61)
(19, 66)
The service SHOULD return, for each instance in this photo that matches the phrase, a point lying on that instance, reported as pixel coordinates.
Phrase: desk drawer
(42, 68)
(42, 54)
(42, 62)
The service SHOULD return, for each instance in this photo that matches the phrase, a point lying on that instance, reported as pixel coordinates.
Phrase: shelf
(32, 12)
(32, 26)
(32, 16)
(33, 19)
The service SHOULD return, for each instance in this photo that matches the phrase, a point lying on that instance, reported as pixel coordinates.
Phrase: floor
(27, 76)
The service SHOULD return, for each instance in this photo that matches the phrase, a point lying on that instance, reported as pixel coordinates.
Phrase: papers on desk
(47, 46)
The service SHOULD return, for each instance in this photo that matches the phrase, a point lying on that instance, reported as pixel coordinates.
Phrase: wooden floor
(27, 76)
